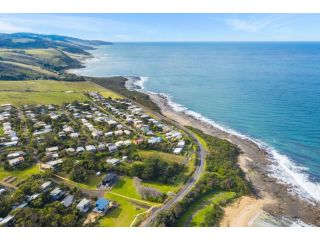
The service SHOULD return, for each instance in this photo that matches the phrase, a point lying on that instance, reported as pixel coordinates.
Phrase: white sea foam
(135, 83)
(283, 168)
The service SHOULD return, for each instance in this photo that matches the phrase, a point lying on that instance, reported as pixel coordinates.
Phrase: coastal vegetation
(222, 174)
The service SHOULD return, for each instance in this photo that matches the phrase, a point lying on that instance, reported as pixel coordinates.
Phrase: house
(70, 150)
(112, 122)
(56, 193)
(108, 134)
(74, 135)
(62, 135)
(118, 133)
(113, 161)
(15, 155)
(109, 179)
(127, 132)
(68, 200)
(45, 186)
(90, 148)
(127, 142)
(52, 155)
(67, 129)
(51, 164)
(2, 190)
(155, 140)
(102, 205)
(145, 128)
(52, 149)
(101, 147)
(119, 143)
(80, 149)
(10, 144)
(84, 205)
(112, 148)
(181, 144)
(16, 161)
(177, 150)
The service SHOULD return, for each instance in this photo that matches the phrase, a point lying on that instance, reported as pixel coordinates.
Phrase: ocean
(266, 91)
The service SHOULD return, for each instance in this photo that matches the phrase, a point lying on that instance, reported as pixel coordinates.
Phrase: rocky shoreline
(277, 201)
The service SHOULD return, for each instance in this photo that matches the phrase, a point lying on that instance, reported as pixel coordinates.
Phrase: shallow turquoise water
(268, 91)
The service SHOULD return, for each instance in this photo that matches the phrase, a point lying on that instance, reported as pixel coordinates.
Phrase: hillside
(36, 56)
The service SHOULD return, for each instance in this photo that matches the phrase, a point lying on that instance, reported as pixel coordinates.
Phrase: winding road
(186, 188)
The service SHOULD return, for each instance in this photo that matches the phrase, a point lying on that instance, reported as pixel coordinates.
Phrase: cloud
(249, 26)
(7, 27)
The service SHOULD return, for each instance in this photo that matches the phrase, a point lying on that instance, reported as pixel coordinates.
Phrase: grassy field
(165, 188)
(47, 92)
(31, 67)
(19, 174)
(1, 131)
(93, 181)
(125, 186)
(123, 215)
(197, 210)
(161, 156)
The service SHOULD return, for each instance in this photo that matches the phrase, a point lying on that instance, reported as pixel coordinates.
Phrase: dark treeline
(222, 174)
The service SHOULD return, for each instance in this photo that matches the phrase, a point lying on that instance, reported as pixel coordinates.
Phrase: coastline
(270, 196)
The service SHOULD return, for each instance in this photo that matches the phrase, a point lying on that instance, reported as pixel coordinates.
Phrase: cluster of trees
(9, 199)
(222, 173)
(41, 211)
(213, 216)
(148, 193)
(51, 215)
(155, 169)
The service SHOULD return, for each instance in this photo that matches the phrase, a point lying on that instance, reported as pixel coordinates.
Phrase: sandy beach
(268, 196)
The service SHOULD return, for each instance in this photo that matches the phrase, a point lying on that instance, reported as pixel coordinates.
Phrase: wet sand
(269, 195)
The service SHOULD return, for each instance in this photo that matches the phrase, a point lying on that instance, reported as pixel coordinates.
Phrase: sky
(169, 27)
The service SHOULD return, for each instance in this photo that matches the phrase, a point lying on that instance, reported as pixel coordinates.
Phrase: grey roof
(46, 184)
(67, 201)
(55, 191)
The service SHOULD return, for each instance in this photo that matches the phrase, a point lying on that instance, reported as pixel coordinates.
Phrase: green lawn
(21, 98)
(162, 156)
(47, 91)
(121, 216)
(165, 188)
(20, 174)
(197, 210)
(93, 181)
(125, 186)
(76, 184)
(191, 163)
(1, 131)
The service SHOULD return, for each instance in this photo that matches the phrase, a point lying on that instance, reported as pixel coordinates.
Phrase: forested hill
(36, 56)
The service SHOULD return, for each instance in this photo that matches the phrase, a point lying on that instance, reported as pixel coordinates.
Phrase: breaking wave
(284, 169)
